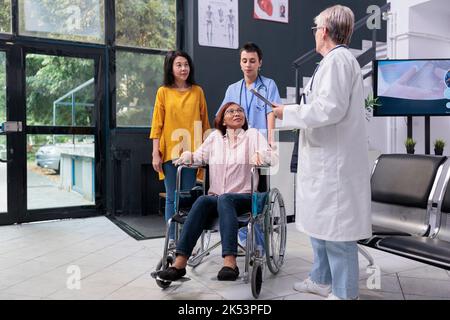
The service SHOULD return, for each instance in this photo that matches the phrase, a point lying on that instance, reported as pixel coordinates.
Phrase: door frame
(16, 142)
(8, 217)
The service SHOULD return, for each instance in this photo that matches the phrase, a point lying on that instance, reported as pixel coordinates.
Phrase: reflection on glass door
(3, 173)
(60, 167)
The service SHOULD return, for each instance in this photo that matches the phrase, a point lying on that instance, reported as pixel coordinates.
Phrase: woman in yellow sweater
(180, 119)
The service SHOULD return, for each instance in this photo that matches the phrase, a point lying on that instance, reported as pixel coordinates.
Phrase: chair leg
(366, 255)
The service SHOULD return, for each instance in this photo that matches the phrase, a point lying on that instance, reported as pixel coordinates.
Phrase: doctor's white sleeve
(332, 98)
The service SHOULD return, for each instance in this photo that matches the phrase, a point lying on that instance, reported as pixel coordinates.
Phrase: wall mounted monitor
(412, 87)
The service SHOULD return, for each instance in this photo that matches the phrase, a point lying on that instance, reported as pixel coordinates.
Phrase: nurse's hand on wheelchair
(185, 158)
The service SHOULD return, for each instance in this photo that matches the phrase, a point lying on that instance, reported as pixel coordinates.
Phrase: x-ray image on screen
(415, 79)
(412, 87)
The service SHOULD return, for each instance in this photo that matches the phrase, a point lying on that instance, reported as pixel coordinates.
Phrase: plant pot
(410, 150)
(438, 152)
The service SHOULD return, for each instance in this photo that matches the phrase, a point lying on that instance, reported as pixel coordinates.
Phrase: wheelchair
(267, 211)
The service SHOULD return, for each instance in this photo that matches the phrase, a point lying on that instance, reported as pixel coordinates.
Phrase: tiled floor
(43, 260)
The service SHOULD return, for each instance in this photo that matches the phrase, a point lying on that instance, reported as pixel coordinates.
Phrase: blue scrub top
(255, 109)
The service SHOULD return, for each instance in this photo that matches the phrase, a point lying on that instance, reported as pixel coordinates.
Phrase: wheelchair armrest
(192, 194)
(190, 166)
(254, 170)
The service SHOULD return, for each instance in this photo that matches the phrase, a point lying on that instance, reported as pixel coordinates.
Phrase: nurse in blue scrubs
(258, 113)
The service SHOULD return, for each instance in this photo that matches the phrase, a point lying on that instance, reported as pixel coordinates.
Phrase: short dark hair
(218, 121)
(169, 79)
(251, 47)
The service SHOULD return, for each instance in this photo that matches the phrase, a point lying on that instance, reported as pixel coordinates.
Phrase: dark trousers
(228, 207)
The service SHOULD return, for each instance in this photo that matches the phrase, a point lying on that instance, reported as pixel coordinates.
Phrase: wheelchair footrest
(155, 275)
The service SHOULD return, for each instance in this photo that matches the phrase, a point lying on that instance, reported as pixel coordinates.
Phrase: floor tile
(425, 287)
(379, 295)
(36, 262)
(426, 272)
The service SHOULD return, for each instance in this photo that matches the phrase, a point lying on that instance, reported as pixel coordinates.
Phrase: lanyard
(315, 71)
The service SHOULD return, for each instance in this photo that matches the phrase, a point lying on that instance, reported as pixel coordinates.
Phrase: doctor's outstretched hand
(278, 110)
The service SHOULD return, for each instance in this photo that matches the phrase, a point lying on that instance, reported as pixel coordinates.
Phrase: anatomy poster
(273, 10)
(218, 23)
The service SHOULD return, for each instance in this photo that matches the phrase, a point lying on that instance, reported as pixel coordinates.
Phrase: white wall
(283, 179)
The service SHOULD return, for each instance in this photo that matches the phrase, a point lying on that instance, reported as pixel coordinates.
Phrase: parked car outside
(49, 156)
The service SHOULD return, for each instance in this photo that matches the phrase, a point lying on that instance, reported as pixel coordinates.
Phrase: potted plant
(410, 144)
(439, 145)
(369, 103)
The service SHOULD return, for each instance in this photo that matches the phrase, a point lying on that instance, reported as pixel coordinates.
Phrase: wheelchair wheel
(256, 279)
(204, 245)
(163, 266)
(275, 223)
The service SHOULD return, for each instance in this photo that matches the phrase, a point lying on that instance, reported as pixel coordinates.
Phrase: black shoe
(228, 274)
(172, 274)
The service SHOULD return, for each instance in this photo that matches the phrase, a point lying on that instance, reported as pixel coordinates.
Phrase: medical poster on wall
(218, 23)
(273, 10)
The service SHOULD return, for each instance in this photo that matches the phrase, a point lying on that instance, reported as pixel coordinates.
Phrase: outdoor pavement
(43, 191)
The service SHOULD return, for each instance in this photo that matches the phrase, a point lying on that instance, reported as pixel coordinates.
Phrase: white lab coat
(333, 182)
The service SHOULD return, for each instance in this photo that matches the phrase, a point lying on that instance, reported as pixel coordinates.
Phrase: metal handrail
(71, 94)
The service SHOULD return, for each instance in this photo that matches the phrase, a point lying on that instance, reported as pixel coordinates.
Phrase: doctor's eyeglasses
(314, 30)
(233, 111)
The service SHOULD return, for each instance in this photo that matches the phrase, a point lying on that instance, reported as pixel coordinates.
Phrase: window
(60, 91)
(75, 20)
(146, 23)
(138, 77)
(5, 16)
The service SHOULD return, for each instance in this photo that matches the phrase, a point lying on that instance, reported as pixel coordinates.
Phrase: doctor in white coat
(333, 194)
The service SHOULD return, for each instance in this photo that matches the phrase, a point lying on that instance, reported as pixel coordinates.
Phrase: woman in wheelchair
(230, 151)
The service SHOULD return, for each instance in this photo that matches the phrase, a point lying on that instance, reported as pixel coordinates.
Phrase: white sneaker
(333, 297)
(310, 286)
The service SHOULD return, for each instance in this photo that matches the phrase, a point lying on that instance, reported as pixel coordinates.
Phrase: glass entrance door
(62, 135)
(10, 182)
(51, 168)
(60, 97)
(3, 146)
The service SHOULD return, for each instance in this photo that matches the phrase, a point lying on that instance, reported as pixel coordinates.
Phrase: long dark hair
(169, 79)
(218, 121)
